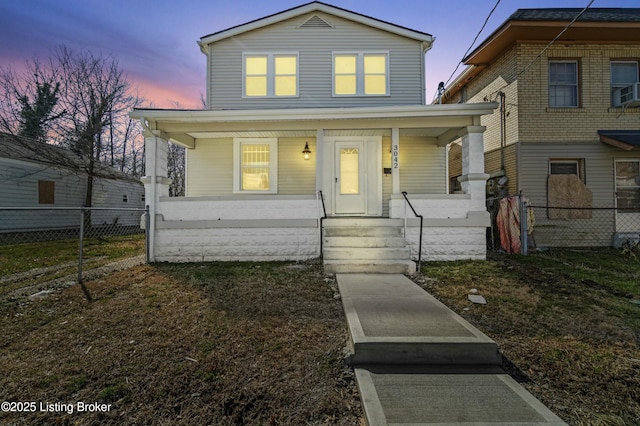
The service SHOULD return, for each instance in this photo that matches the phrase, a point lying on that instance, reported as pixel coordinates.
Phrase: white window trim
(579, 162)
(636, 63)
(615, 178)
(577, 84)
(359, 73)
(619, 86)
(271, 74)
(273, 164)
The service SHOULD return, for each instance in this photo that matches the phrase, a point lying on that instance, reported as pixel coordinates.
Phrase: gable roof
(316, 6)
(597, 25)
(32, 151)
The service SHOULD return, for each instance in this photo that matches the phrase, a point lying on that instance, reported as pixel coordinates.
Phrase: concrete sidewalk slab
(418, 395)
(393, 321)
(419, 363)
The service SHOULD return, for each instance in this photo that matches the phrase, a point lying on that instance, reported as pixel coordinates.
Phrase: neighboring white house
(310, 107)
(37, 175)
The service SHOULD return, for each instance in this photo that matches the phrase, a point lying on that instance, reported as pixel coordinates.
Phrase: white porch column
(156, 182)
(395, 160)
(473, 178)
(319, 158)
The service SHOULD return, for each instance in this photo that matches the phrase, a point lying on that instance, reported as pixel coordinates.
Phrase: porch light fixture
(306, 152)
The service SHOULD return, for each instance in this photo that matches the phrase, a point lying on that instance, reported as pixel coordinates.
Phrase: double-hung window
(270, 75)
(563, 84)
(255, 165)
(623, 74)
(361, 74)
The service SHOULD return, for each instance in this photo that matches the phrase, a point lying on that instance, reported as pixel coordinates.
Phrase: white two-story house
(316, 125)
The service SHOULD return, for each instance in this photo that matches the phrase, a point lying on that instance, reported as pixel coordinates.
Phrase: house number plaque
(394, 156)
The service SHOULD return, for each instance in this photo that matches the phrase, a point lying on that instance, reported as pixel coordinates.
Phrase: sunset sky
(155, 41)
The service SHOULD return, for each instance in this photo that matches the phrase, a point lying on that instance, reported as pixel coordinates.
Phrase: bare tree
(94, 91)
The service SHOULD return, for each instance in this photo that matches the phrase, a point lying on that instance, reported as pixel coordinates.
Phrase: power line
(547, 46)
(472, 43)
(556, 38)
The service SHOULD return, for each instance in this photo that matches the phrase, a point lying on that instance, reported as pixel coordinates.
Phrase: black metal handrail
(324, 216)
(404, 194)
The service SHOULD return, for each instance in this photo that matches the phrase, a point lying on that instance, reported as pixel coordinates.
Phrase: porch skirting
(236, 240)
(202, 230)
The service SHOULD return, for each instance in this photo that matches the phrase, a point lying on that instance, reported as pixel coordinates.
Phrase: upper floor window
(623, 74)
(563, 84)
(270, 75)
(360, 74)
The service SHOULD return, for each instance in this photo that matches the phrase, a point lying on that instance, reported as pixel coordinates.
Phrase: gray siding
(19, 188)
(599, 176)
(315, 46)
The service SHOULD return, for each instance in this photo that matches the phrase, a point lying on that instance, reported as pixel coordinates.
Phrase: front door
(350, 177)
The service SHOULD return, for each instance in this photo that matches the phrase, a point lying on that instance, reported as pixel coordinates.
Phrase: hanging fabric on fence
(508, 222)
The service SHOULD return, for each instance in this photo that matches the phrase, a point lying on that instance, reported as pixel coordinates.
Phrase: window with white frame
(563, 84)
(623, 74)
(572, 166)
(361, 74)
(255, 165)
(627, 184)
(270, 75)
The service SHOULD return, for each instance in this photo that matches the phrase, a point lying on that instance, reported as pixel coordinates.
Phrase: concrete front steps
(419, 363)
(372, 245)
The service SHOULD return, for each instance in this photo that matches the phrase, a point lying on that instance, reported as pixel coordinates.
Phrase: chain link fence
(44, 248)
(517, 226)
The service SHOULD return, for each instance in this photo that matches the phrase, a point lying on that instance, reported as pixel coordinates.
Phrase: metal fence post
(80, 245)
(524, 241)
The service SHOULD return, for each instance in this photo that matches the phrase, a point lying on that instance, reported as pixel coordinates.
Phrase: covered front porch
(268, 202)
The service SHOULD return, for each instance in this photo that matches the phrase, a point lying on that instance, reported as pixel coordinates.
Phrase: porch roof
(623, 139)
(439, 121)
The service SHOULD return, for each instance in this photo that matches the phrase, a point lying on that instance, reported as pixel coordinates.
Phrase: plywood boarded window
(46, 192)
(570, 197)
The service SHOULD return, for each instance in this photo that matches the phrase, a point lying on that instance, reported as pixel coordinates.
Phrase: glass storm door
(350, 178)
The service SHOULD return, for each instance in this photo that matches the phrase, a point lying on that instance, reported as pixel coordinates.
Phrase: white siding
(422, 166)
(315, 62)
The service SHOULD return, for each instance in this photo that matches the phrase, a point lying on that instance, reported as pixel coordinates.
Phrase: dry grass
(564, 323)
(223, 344)
(233, 344)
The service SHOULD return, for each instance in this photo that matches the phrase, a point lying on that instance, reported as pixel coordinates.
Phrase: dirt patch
(224, 344)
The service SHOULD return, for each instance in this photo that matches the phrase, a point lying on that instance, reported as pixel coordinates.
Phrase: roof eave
(426, 39)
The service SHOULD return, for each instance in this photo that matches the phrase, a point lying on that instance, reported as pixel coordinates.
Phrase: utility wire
(472, 43)
(556, 38)
(582, 12)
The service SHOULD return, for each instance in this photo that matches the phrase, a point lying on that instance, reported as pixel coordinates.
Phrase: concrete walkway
(419, 363)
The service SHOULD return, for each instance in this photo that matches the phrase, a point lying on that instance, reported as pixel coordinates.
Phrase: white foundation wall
(448, 243)
(237, 244)
(451, 229)
(247, 229)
